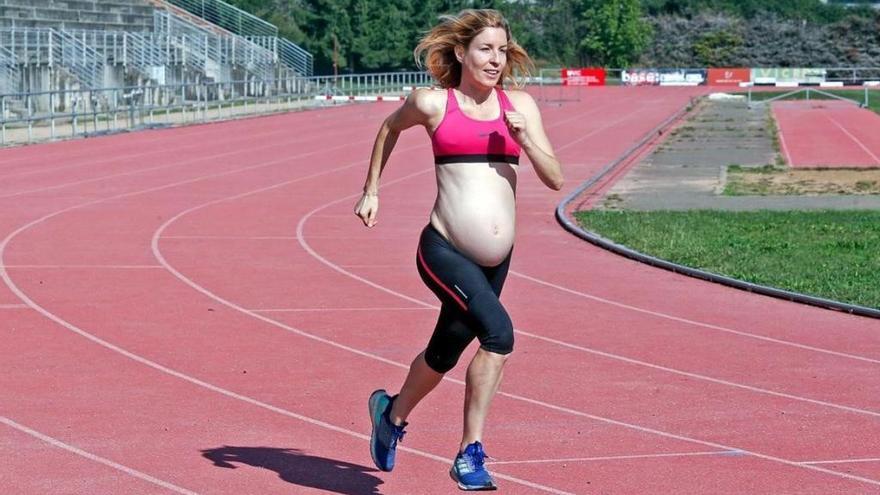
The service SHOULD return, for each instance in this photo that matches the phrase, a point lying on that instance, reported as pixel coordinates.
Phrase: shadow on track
(300, 469)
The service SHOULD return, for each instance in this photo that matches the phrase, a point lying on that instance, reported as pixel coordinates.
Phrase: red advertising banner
(583, 77)
(729, 77)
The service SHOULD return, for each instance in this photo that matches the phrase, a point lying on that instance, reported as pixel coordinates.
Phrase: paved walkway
(687, 171)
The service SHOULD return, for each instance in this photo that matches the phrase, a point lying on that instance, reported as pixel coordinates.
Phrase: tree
(616, 34)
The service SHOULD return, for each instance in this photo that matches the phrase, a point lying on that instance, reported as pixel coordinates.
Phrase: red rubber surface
(828, 133)
(197, 310)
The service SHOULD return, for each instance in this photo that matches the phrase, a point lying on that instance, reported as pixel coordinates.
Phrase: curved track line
(192, 160)
(197, 129)
(632, 426)
(4, 274)
(116, 158)
(696, 323)
(92, 457)
(535, 402)
(177, 374)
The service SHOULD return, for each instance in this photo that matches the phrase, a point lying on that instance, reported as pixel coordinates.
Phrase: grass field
(830, 254)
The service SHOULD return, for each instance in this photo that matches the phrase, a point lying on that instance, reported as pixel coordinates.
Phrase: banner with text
(588, 76)
(729, 76)
(788, 75)
(664, 77)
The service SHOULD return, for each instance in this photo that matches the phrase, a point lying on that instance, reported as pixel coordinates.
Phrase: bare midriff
(476, 209)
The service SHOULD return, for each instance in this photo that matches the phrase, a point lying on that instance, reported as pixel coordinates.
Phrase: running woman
(478, 131)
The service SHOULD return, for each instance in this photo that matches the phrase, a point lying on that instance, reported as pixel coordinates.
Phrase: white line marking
(232, 237)
(132, 356)
(308, 248)
(296, 310)
(617, 457)
(152, 364)
(782, 141)
(857, 141)
(695, 323)
(844, 461)
(109, 267)
(92, 457)
(14, 306)
(202, 158)
(161, 149)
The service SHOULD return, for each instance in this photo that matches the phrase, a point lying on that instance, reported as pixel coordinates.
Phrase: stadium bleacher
(107, 43)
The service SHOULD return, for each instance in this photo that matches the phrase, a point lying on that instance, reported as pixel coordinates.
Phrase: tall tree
(616, 33)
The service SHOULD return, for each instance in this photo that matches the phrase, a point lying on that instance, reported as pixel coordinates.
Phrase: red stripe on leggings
(438, 282)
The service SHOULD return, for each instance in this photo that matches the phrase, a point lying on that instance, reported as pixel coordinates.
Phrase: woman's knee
(497, 329)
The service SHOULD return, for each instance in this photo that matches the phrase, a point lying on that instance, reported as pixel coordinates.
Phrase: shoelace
(475, 457)
(399, 432)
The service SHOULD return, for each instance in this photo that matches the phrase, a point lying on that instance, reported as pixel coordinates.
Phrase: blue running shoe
(383, 440)
(468, 469)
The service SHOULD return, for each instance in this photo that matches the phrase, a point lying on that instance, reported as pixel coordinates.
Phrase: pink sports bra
(461, 139)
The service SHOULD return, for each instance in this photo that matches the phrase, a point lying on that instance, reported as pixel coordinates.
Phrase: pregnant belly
(483, 231)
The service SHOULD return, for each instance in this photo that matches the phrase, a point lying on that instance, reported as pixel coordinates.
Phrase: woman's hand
(367, 208)
(516, 125)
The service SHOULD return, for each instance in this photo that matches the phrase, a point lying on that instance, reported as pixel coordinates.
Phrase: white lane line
(843, 461)
(161, 148)
(197, 159)
(14, 306)
(694, 322)
(158, 254)
(92, 457)
(152, 364)
(298, 310)
(305, 245)
(74, 267)
(232, 237)
(619, 457)
(53, 317)
(782, 140)
(312, 252)
(857, 140)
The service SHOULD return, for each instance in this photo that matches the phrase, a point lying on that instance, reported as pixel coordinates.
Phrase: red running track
(198, 310)
(828, 133)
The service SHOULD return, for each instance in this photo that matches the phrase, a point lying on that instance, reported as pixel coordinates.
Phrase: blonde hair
(438, 46)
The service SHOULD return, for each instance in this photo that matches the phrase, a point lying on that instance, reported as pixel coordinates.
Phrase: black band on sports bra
(512, 159)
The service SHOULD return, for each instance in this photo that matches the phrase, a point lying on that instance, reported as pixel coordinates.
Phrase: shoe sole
(372, 404)
(471, 488)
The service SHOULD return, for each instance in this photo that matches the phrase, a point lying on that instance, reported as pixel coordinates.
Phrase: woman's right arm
(418, 109)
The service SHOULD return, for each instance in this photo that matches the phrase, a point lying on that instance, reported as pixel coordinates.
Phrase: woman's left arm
(526, 127)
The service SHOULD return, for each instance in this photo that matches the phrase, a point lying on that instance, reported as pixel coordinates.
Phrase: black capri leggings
(469, 293)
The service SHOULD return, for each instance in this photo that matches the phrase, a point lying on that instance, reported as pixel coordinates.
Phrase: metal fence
(228, 17)
(29, 117)
(56, 49)
(253, 29)
(9, 76)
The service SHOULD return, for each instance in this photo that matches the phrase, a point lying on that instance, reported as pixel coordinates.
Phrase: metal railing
(228, 17)
(55, 48)
(27, 117)
(137, 50)
(253, 28)
(9, 74)
(208, 51)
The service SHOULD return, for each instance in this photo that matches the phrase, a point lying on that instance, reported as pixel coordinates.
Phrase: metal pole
(52, 115)
(30, 118)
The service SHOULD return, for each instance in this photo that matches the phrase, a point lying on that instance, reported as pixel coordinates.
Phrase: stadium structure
(47, 46)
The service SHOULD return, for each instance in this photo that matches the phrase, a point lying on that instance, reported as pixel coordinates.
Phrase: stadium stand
(55, 44)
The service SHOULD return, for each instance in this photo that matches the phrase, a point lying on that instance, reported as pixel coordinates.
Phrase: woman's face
(483, 61)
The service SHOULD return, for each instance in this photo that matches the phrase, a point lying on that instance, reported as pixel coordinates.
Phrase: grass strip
(829, 254)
